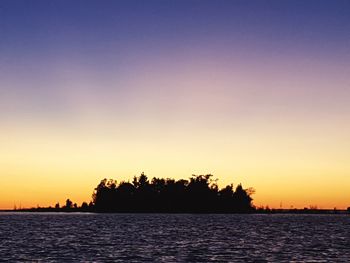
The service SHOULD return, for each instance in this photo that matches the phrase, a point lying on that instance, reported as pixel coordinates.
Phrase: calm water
(174, 238)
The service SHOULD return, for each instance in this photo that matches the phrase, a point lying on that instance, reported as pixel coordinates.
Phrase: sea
(89, 237)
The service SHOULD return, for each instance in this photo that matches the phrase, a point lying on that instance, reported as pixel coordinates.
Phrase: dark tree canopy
(199, 194)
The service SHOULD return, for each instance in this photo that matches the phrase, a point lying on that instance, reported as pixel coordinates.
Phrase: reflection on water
(174, 237)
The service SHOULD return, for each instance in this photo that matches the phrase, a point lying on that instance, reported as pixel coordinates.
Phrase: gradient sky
(256, 92)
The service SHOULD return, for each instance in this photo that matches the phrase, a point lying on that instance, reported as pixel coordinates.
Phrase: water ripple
(60, 237)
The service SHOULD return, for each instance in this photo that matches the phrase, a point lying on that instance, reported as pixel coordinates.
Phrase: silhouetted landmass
(68, 207)
(200, 194)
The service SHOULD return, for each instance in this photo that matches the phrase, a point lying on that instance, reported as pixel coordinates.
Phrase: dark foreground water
(173, 238)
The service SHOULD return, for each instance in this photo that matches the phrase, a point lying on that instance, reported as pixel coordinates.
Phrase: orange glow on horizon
(45, 166)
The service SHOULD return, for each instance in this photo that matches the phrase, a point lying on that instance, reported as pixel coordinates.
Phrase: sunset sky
(253, 92)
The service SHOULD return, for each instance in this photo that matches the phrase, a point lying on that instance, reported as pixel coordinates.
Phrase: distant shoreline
(272, 211)
(198, 195)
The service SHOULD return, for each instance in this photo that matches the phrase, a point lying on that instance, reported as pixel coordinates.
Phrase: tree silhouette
(198, 195)
(69, 204)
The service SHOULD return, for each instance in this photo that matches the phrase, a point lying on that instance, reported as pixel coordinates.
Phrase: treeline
(68, 207)
(199, 194)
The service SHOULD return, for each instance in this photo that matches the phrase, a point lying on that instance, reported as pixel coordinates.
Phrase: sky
(253, 92)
